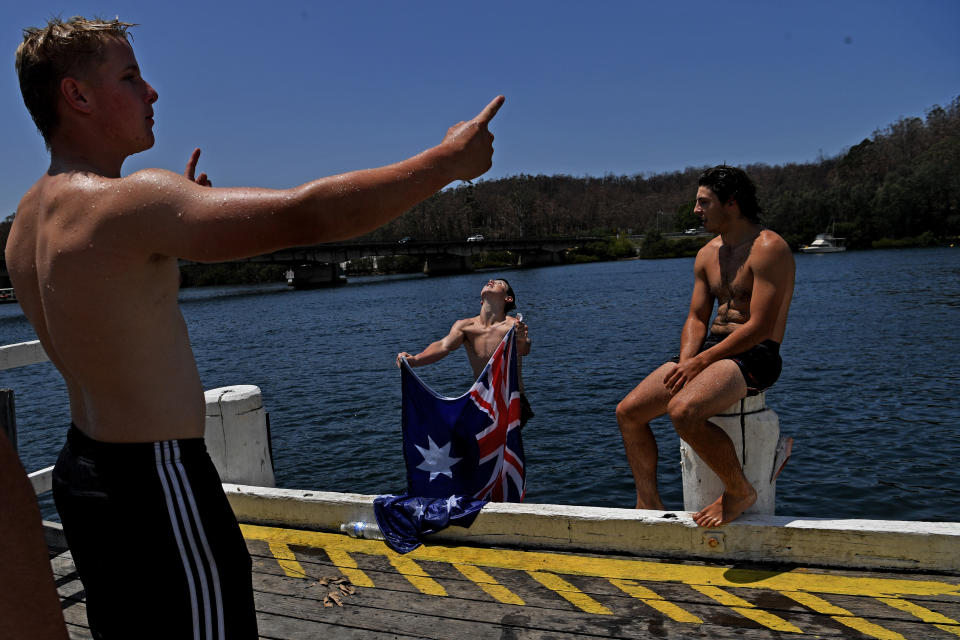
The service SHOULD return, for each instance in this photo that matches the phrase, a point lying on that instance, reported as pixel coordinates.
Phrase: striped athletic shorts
(154, 540)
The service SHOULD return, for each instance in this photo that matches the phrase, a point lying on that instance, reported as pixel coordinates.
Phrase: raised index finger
(192, 164)
(490, 110)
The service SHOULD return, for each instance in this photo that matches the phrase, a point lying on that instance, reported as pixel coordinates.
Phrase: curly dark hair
(731, 183)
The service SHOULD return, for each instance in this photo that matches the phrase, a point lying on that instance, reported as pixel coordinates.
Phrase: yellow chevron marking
(800, 585)
(489, 584)
(569, 592)
(415, 574)
(746, 609)
(933, 617)
(622, 568)
(648, 597)
(843, 616)
(286, 560)
(348, 567)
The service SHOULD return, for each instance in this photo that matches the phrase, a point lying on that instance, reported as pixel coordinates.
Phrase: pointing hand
(471, 143)
(191, 169)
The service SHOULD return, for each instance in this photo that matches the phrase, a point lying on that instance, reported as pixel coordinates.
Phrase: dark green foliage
(901, 182)
(900, 187)
(614, 248)
(202, 275)
(656, 246)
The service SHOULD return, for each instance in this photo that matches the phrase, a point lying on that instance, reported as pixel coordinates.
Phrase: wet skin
(749, 272)
(93, 255)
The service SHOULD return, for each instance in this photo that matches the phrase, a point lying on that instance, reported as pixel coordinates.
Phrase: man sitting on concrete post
(749, 271)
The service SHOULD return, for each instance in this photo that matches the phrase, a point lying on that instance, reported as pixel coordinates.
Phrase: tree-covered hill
(902, 183)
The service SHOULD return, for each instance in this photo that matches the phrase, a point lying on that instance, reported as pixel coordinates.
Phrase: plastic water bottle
(361, 529)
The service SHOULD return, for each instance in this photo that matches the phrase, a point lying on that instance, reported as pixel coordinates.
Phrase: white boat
(824, 243)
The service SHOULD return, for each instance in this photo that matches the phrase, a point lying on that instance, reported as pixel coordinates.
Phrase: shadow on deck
(481, 592)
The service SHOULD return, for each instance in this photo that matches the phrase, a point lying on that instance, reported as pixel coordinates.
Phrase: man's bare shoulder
(771, 245)
(97, 196)
(708, 251)
(466, 324)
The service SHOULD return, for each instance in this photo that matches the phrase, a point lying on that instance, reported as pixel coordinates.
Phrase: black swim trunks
(154, 540)
(760, 364)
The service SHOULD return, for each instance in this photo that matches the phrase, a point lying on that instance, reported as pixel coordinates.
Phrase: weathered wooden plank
(292, 608)
(272, 626)
(632, 619)
(764, 601)
(79, 633)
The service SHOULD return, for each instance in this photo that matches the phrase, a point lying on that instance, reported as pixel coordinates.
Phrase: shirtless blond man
(749, 271)
(93, 258)
(481, 335)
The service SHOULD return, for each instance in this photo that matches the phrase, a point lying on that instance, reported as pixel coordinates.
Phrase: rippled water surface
(869, 389)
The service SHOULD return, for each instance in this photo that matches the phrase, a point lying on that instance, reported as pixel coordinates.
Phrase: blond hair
(60, 49)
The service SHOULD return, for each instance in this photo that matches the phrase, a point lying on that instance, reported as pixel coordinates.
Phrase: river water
(869, 388)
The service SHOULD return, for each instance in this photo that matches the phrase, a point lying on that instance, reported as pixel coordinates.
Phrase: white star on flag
(436, 459)
(452, 501)
(418, 510)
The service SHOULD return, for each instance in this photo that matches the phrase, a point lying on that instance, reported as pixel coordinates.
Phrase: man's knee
(625, 410)
(684, 415)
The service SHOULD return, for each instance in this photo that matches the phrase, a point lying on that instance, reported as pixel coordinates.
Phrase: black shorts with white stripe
(154, 540)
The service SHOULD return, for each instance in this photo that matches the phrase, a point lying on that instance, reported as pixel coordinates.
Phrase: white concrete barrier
(853, 544)
(237, 436)
(755, 432)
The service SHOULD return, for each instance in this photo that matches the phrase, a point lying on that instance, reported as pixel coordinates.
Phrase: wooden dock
(323, 585)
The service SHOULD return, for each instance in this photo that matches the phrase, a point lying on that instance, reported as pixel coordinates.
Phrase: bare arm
(523, 338)
(694, 328)
(701, 306)
(439, 349)
(178, 217)
(29, 606)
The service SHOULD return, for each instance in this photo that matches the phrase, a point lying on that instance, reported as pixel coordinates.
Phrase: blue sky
(282, 92)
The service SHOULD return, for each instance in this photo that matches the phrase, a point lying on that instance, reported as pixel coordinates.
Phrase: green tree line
(900, 184)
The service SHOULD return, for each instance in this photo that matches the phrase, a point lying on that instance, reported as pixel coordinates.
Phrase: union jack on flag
(459, 452)
(497, 393)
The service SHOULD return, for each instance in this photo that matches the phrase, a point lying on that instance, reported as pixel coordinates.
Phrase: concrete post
(748, 421)
(237, 435)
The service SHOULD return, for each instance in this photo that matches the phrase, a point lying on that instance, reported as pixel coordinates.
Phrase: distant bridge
(318, 265)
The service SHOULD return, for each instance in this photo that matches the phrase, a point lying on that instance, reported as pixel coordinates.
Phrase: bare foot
(725, 509)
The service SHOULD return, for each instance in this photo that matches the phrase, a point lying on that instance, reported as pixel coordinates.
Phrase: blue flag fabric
(459, 452)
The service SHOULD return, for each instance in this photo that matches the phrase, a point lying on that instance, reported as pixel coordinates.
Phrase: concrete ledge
(21, 354)
(854, 544)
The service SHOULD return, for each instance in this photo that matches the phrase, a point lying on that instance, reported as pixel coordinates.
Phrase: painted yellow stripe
(348, 567)
(489, 584)
(620, 568)
(653, 599)
(914, 609)
(287, 561)
(933, 617)
(843, 616)
(569, 592)
(747, 609)
(416, 575)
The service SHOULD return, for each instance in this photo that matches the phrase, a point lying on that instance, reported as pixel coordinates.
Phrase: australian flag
(460, 452)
